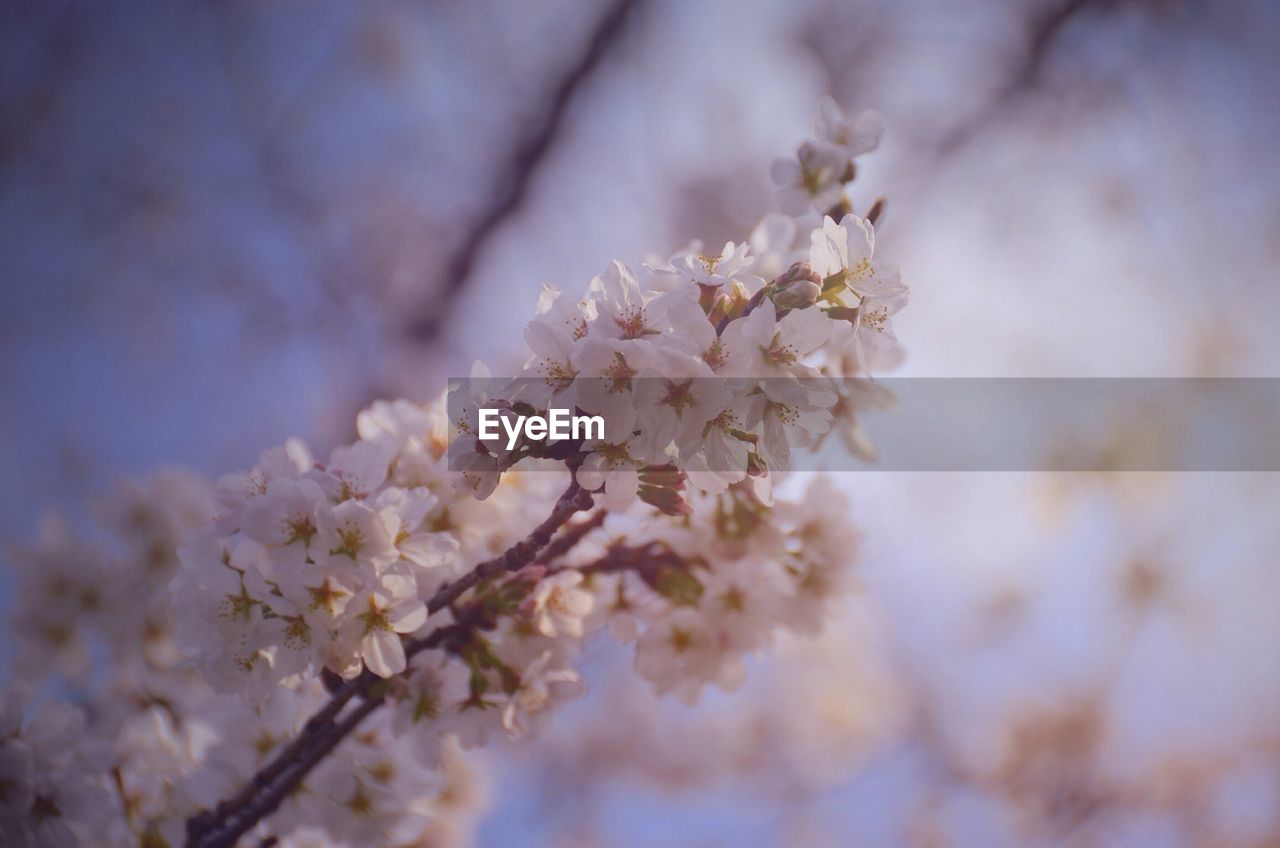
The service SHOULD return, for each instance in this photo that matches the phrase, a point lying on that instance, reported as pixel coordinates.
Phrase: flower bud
(798, 287)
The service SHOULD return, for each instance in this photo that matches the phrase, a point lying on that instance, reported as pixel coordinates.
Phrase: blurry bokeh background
(223, 224)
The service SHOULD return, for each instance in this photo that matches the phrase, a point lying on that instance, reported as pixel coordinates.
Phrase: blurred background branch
(512, 178)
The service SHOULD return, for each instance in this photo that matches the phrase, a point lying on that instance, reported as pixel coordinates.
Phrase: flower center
(679, 396)
(619, 374)
(614, 455)
(533, 701)
(299, 529)
(375, 618)
(559, 375)
(631, 322)
(734, 600)
(681, 639)
(350, 540)
(779, 353)
(426, 706)
(876, 318)
(238, 606)
(297, 635)
(323, 596)
(716, 356)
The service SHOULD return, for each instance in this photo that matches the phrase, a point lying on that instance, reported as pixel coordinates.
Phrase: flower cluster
(824, 163)
(51, 793)
(159, 745)
(699, 595)
(311, 566)
(85, 569)
(699, 363)
(173, 762)
(417, 568)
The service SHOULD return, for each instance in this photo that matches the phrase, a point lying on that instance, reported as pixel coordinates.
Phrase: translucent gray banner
(949, 424)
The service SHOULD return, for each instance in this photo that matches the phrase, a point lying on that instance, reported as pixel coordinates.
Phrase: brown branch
(511, 188)
(569, 539)
(1043, 32)
(263, 794)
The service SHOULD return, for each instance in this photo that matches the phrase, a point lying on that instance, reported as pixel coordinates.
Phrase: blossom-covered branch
(325, 639)
(286, 771)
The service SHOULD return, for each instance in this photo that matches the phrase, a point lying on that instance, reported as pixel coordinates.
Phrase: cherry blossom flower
(844, 253)
(558, 605)
(810, 180)
(55, 791)
(614, 468)
(683, 653)
(609, 370)
(385, 611)
(355, 470)
(479, 464)
(776, 349)
(287, 462)
(679, 395)
(285, 520)
(734, 262)
(697, 336)
(434, 685)
(552, 336)
(718, 456)
(741, 598)
(354, 539)
(798, 421)
(626, 312)
(543, 686)
(850, 136)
